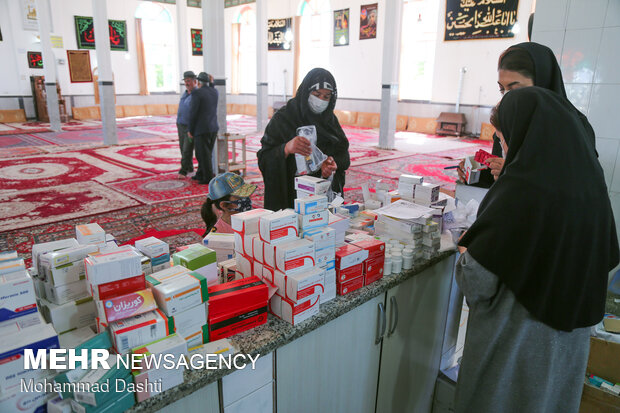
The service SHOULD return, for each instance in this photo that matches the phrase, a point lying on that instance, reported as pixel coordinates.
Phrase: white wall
(585, 36)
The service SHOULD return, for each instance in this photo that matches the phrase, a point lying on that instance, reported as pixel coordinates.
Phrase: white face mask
(317, 105)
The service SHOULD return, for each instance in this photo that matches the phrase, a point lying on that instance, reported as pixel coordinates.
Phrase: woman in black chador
(312, 105)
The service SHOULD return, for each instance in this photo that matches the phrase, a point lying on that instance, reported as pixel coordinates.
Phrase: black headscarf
(546, 227)
(278, 171)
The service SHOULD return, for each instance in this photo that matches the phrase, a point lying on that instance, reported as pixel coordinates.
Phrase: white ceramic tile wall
(603, 113)
(554, 39)
(608, 66)
(239, 384)
(579, 55)
(579, 95)
(613, 14)
(550, 15)
(585, 14)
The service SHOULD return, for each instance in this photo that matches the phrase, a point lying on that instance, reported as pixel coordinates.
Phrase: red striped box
(350, 285)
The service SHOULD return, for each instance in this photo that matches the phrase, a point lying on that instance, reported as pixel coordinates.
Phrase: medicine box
(113, 266)
(311, 204)
(65, 274)
(472, 170)
(238, 319)
(349, 286)
(226, 298)
(13, 265)
(375, 248)
(411, 179)
(311, 184)
(138, 330)
(219, 240)
(328, 295)
(301, 285)
(88, 395)
(12, 353)
(71, 315)
(244, 265)
(257, 269)
(427, 193)
(172, 344)
(55, 259)
(125, 306)
(165, 275)
(294, 256)
(275, 305)
(38, 249)
(8, 255)
(350, 272)
(17, 296)
(349, 255)
(227, 270)
(258, 249)
(181, 293)
(195, 257)
(116, 288)
(58, 405)
(199, 335)
(191, 320)
(374, 276)
(73, 338)
(60, 294)
(122, 403)
(152, 247)
(16, 400)
(322, 237)
(279, 227)
(246, 223)
(90, 234)
(269, 274)
(295, 313)
(15, 325)
(313, 220)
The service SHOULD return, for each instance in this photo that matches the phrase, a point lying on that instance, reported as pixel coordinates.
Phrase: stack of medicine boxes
(20, 327)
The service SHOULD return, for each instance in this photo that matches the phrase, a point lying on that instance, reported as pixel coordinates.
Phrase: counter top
(276, 333)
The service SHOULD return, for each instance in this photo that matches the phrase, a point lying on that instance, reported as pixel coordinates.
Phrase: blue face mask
(243, 204)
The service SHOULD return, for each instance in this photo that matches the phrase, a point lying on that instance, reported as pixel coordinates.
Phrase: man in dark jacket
(203, 126)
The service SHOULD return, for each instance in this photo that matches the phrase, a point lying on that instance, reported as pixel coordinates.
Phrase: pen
(451, 167)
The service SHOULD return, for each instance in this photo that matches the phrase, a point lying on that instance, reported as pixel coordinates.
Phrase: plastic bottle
(387, 264)
(407, 259)
(397, 262)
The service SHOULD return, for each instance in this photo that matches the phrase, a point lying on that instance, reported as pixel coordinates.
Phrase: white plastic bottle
(397, 262)
(407, 259)
(387, 264)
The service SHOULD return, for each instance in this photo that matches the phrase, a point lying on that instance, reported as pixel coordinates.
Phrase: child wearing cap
(229, 194)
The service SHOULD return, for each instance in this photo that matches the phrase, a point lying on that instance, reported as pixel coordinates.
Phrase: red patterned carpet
(50, 182)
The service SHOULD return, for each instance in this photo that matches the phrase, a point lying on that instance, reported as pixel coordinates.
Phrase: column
(389, 76)
(104, 67)
(214, 64)
(262, 90)
(182, 37)
(49, 64)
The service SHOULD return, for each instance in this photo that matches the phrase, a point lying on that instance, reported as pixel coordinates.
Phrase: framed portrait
(341, 27)
(368, 21)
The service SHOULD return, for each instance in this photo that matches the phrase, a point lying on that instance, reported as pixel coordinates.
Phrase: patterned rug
(159, 188)
(20, 151)
(93, 135)
(164, 129)
(21, 140)
(45, 171)
(38, 206)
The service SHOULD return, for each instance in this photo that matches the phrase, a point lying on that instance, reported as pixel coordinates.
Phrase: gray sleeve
(476, 282)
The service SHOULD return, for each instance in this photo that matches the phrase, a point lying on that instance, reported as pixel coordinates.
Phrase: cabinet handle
(381, 325)
(394, 311)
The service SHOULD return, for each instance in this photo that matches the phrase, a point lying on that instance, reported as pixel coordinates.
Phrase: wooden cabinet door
(334, 368)
(416, 314)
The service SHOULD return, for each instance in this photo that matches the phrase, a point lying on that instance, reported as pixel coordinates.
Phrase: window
(159, 49)
(244, 52)
(315, 30)
(417, 55)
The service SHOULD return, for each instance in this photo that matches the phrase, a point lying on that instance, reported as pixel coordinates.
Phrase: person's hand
(461, 249)
(461, 171)
(496, 165)
(328, 167)
(299, 145)
(190, 135)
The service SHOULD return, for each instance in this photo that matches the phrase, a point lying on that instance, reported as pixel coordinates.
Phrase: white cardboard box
(191, 320)
(427, 192)
(245, 265)
(14, 265)
(324, 256)
(313, 220)
(17, 296)
(311, 204)
(181, 293)
(15, 400)
(258, 249)
(315, 186)
(219, 240)
(15, 325)
(173, 344)
(90, 234)
(322, 237)
(55, 259)
(167, 379)
(65, 274)
(275, 305)
(328, 295)
(38, 249)
(68, 316)
(152, 247)
(167, 274)
(61, 294)
(279, 227)
(296, 313)
(246, 223)
(12, 353)
(138, 330)
(113, 266)
(301, 285)
(294, 256)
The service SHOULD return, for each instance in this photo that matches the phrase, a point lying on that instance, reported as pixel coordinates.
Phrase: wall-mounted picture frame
(35, 60)
(341, 27)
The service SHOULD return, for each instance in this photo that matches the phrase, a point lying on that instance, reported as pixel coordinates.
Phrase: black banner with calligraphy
(35, 60)
(85, 33)
(480, 19)
(279, 34)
